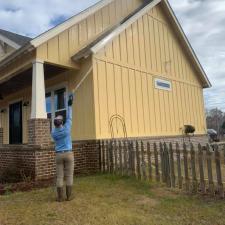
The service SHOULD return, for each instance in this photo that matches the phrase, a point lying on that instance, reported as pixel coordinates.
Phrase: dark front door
(15, 123)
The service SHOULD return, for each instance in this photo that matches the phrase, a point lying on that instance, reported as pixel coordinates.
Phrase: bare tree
(215, 120)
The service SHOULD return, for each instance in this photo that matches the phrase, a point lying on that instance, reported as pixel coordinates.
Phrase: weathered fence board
(157, 175)
(201, 170)
(179, 173)
(172, 172)
(138, 163)
(120, 159)
(209, 168)
(149, 162)
(193, 170)
(186, 173)
(167, 164)
(143, 164)
(218, 173)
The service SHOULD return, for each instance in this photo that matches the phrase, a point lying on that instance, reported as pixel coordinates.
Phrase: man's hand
(70, 101)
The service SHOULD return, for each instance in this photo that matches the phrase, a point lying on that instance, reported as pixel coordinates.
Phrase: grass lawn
(111, 200)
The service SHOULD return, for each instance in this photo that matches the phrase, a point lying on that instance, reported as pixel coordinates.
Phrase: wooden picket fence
(192, 168)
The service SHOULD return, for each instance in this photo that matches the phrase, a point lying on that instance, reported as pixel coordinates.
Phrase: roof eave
(9, 42)
(68, 23)
(117, 29)
(26, 48)
(206, 82)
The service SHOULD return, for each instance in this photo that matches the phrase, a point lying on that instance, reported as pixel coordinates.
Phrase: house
(134, 71)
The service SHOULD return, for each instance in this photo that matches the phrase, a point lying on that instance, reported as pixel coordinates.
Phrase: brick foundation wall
(40, 162)
(39, 133)
(1, 136)
(20, 158)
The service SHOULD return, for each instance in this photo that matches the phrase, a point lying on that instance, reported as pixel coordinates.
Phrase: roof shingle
(18, 39)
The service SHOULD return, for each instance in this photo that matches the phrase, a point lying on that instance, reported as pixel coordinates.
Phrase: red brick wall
(40, 162)
(17, 157)
(39, 133)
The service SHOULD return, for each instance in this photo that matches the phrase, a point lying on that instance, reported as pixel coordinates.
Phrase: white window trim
(163, 81)
(52, 89)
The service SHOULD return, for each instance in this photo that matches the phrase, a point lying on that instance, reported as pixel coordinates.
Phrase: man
(64, 155)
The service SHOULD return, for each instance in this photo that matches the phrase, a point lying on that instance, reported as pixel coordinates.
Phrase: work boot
(69, 196)
(60, 194)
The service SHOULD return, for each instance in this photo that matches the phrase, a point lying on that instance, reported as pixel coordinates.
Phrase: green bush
(189, 129)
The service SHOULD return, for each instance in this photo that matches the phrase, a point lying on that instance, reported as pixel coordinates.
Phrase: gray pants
(64, 168)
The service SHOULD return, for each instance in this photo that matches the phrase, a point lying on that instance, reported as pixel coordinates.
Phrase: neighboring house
(141, 76)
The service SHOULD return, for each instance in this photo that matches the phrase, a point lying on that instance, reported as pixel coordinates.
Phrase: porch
(28, 100)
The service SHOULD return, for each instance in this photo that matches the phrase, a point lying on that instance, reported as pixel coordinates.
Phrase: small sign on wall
(163, 84)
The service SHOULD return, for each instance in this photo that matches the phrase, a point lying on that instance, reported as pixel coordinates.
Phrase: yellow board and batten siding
(124, 82)
(59, 51)
(62, 47)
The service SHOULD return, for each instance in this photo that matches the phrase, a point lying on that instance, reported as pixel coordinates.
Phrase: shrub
(10, 175)
(189, 129)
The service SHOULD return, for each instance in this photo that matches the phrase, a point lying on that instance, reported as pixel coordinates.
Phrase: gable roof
(105, 39)
(101, 41)
(68, 23)
(42, 38)
(13, 39)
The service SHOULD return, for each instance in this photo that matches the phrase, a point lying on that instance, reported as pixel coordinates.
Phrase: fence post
(218, 172)
(138, 161)
(125, 172)
(173, 179)
(224, 153)
(130, 159)
(120, 158)
(149, 162)
(100, 156)
(193, 170)
(179, 174)
(201, 169)
(186, 174)
(115, 157)
(157, 175)
(167, 166)
(106, 156)
(209, 167)
(143, 164)
(162, 160)
(111, 157)
(103, 158)
(131, 156)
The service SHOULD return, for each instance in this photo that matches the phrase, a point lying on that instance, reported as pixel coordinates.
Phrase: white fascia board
(69, 23)
(9, 42)
(123, 27)
(187, 43)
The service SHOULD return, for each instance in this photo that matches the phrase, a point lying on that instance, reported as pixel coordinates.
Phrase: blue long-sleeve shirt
(62, 135)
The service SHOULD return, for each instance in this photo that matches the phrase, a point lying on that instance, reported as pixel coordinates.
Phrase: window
(56, 103)
(163, 84)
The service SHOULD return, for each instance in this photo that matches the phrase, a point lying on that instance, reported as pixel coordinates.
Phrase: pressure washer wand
(82, 80)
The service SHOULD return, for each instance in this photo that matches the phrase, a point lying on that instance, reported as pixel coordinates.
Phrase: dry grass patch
(110, 200)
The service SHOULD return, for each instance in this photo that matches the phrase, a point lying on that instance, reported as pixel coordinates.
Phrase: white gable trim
(124, 26)
(184, 37)
(9, 42)
(69, 23)
(134, 18)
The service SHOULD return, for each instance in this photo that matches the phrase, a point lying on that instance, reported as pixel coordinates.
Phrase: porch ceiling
(24, 79)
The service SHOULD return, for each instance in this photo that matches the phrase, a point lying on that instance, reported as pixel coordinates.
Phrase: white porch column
(38, 110)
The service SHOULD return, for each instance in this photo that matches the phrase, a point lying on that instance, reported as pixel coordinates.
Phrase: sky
(202, 20)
